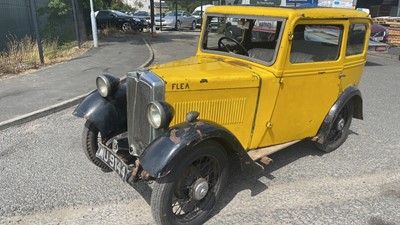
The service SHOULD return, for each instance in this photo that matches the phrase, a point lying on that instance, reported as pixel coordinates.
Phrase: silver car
(184, 20)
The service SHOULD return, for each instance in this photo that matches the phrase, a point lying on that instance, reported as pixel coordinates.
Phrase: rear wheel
(188, 195)
(339, 131)
(178, 25)
(91, 137)
(193, 25)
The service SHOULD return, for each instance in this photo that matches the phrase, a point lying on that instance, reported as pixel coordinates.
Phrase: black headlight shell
(107, 84)
(159, 114)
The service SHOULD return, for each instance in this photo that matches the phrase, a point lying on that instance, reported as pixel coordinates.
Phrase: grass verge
(22, 54)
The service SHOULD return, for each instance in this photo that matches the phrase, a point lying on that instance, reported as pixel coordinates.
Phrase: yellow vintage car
(263, 78)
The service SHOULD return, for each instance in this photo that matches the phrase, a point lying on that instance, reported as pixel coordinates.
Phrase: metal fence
(17, 20)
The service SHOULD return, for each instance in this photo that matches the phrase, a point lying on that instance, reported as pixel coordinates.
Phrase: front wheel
(91, 137)
(339, 130)
(188, 195)
(126, 26)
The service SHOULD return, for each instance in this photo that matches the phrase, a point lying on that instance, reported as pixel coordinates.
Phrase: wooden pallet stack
(393, 25)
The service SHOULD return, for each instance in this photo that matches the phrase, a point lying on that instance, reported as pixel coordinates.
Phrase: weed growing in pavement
(23, 54)
(108, 31)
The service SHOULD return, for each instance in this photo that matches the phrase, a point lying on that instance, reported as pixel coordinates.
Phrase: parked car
(376, 46)
(157, 15)
(379, 33)
(117, 19)
(143, 16)
(292, 75)
(197, 13)
(184, 20)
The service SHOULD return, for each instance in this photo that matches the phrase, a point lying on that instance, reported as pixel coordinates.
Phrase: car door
(310, 82)
(186, 19)
(101, 19)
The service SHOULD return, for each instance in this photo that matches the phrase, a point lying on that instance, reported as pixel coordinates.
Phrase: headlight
(107, 84)
(159, 114)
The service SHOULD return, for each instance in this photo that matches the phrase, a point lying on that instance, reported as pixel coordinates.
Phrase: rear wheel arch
(350, 100)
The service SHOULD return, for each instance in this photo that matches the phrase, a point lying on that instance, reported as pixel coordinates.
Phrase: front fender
(107, 114)
(352, 94)
(165, 152)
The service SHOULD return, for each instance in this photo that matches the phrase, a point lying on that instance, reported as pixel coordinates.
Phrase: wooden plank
(257, 154)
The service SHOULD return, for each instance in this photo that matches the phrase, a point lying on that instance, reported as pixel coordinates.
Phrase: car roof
(305, 12)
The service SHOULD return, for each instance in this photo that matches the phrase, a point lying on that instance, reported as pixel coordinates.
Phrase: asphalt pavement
(27, 97)
(54, 88)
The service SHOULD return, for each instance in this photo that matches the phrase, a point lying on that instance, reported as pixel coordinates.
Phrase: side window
(356, 39)
(316, 43)
(102, 14)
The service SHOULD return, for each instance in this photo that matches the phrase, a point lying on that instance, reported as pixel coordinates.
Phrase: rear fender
(350, 95)
(107, 114)
(165, 152)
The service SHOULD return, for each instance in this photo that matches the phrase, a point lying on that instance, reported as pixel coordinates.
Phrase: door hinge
(269, 125)
(281, 80)
(341, 75)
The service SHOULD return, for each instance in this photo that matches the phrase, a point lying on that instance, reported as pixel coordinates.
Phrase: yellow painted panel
(233, 109)
(302, 104)
(206, 73)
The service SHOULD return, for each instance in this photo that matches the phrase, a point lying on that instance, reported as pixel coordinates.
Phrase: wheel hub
(200, 189)
(340, 124)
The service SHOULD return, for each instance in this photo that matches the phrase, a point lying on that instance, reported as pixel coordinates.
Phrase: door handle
(341, 75)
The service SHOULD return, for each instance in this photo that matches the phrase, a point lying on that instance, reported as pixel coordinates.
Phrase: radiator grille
(142, 88)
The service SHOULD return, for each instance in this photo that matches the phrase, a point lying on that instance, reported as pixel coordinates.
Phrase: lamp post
(94, 25)
(176, 14)
(152, 18)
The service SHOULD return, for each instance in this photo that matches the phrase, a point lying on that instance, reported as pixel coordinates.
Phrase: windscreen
(255, 38)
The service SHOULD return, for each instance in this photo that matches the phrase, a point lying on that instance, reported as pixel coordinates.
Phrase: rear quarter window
(356, 39)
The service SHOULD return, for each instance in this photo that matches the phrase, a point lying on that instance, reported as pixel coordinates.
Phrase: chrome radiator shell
(142, 88)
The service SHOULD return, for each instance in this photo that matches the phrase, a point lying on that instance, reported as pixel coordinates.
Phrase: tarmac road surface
(46, 179)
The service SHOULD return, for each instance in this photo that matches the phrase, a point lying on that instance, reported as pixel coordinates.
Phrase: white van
(197, 14)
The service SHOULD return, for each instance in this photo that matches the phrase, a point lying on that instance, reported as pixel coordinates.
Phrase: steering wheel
(222, 45)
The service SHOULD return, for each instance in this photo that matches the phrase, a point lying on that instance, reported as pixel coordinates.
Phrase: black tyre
(126, 26)
(90, 138)
(193, 27)
(188, 195)
(178, 25)
(339, 131)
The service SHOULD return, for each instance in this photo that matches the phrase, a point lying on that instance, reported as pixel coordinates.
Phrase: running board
(261, 153)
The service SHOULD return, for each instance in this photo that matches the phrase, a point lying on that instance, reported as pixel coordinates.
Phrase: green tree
(57, 12)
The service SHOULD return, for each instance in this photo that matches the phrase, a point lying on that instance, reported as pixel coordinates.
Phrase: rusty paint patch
(173, 136)
(199, 124)
(199, 133)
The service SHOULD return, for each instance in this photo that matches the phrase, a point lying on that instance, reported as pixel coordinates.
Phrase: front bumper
(167, 25)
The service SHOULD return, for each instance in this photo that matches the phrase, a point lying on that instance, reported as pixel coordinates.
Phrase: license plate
(114, 162)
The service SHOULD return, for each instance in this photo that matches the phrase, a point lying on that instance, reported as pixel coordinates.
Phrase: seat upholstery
(262, 54)
(299, 57)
